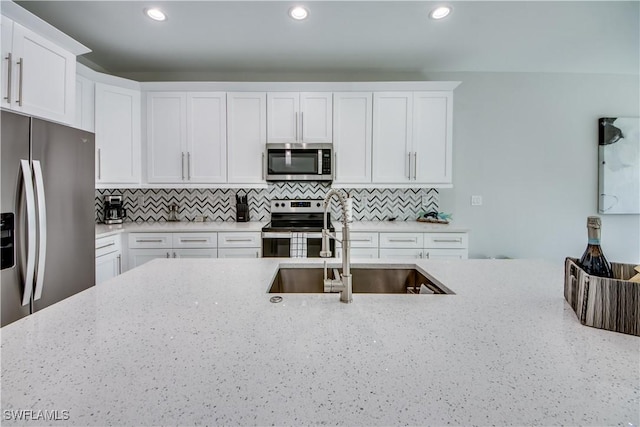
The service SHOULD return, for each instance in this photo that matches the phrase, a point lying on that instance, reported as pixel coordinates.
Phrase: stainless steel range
(295, 229)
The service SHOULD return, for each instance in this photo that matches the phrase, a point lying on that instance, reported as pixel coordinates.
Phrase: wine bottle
(593, 260)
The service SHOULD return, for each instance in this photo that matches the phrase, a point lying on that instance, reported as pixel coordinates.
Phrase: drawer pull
(193, 240)
(239, 240)
(360, 240)
(448, 240)
(148, 240)
(106, 246)
(402, 240)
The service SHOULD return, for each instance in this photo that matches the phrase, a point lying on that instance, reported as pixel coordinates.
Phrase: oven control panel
(296, 205)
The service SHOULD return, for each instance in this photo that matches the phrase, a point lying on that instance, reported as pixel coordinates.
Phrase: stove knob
(277, 205)
(317, 204)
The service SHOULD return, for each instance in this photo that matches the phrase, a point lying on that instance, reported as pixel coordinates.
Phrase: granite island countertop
(193, 341)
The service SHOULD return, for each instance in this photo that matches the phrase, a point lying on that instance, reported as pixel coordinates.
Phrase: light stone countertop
(195, 341)
(103, 230)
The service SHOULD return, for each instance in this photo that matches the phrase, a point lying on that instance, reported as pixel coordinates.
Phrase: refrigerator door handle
(42, 228)
(31, 231)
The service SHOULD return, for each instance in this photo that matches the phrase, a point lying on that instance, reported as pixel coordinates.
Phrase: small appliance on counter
(114, 213)
(242, 209)
(174, 216)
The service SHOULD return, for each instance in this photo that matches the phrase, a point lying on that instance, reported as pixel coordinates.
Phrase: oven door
(286, 162)
(278, 245)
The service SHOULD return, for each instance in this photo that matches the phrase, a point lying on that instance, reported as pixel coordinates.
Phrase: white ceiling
(235, 39)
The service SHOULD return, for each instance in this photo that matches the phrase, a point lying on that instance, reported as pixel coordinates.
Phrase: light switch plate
(476, 200)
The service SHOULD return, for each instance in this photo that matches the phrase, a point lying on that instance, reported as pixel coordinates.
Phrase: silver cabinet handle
(106, 246)
(189, 165)
(174, 255)
(415, 164)
(182, 165)
(20, 76)
(192, 240)
(99, 165)
(409, 164)
(448, 240)
(263, 177)
(238, 240)
(296, 119)
(402, 240)
(9, 59)
(426, 255)
(119, 264)
(42, 229)
(31, 231)
(167, 254)
(319, 162)
(148, 240)
(335, 166)
(302, 126)
(360, 240)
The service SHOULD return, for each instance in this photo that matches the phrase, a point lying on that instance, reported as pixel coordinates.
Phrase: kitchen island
(180, 341)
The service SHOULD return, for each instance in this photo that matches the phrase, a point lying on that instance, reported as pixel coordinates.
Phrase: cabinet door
(108, 267)
(352, 113)
(195, 253)
(207, 137)
(239, 252)
(6, 37)
(137, 257)
(401, 253)
(446, 254)
(432, 141)
(392, 127)
(283, 111)
(166, 137)
(246, 137)
(85, 104)
(316, 119)
(44, 78)
(117, 123)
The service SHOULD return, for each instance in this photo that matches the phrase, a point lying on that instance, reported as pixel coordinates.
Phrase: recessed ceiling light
(155, 14)
(298, 13)
(440, 12)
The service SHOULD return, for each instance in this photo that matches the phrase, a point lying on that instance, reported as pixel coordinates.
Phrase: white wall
(528, 143)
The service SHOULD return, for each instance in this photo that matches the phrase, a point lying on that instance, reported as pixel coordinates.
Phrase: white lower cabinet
(424, 245)
(239, 244)
(108, 258)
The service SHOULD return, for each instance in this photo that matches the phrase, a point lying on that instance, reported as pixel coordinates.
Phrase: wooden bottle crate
(612, 304)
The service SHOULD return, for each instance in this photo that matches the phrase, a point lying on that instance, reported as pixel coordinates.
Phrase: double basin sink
(373, 280)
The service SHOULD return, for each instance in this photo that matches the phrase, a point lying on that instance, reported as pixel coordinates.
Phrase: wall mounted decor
(619, 165)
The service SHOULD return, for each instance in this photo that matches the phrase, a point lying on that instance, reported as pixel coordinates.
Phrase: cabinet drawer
(401, 240)
(150, 240)
(107, 245)
(195, 240)
(446, 240)
(360, 240)
(239, 240)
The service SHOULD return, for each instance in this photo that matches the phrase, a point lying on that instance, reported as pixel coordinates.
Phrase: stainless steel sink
(365, 281)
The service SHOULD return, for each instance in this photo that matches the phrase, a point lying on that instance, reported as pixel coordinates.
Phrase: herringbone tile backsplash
(220, 204)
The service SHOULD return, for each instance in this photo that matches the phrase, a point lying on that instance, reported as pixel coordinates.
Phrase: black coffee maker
(114, 213)
(242, 209)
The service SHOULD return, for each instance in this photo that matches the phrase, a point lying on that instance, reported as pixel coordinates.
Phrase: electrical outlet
(476, 200)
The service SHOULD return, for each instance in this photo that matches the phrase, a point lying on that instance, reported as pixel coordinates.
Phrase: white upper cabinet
(85, 104)
(166, 137)
(207, 137)
(186, 137)
(246, 137)
(352, 112)
(432, 141)
(392, 128)
(299, 117)
(117, 125)
(412, 142)
(38, 75)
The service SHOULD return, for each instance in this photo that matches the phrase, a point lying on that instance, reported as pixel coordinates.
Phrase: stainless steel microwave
(299, 162)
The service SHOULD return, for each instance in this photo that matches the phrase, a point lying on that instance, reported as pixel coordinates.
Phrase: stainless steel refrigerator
(47, 209)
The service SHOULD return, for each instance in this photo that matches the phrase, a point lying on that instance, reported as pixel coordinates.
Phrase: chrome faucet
(342, 284)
